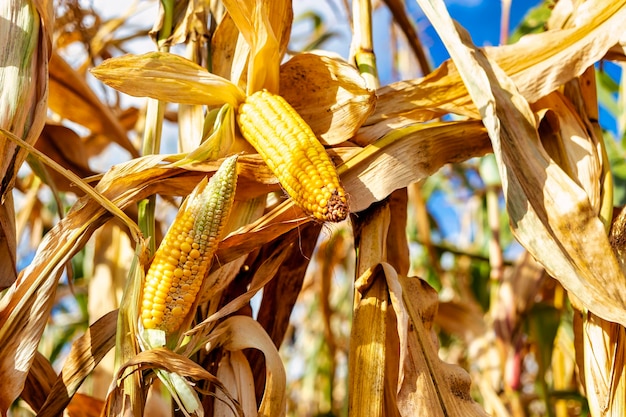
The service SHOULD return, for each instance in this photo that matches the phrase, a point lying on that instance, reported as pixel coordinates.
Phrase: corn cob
(292, 152)
(185, 254)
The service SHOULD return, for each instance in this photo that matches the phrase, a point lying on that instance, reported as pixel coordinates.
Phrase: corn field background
(481, 270)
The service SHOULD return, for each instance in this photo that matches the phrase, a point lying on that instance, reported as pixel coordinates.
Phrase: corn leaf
(551, 214)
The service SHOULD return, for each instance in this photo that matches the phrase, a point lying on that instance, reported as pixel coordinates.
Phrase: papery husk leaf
(550, 214)
(242, 332)
(71, 98)
(567, 141)
(266, 26)
(329, 94)
(167, 77)
(85, 353)
(229, 52)
(550, 59)
(219, 142)
(235, 373)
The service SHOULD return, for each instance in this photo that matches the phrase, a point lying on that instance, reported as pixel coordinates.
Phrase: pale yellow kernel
(148, 323)
(177, 311)
(158, 300)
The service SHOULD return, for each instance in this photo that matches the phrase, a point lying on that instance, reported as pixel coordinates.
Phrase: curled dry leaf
(242, 332)
(65, 147)
(85, 353)
(168, 361)
(550, 213)
(550, 59)
(329, 94)
(167, 77)
(566, 139)
(428, 383)
(235, 373)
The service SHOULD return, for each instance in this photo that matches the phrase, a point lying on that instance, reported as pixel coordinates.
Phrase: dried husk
(329, 94)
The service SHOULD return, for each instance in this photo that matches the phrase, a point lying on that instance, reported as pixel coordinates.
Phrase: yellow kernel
(157, 314)
(159, 307)
(177, 311)
(194, 254)
(185, 247)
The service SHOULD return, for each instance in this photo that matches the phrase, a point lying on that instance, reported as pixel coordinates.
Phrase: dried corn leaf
(168, 361)
(550, 59)
(242, 332)
(229, 52)
(412, 153)
(84, 406)
(566, 139)
(38, 384)
(329, 94)
(235, 373)
(426, 382)
(71, 98)
(550, 213)
(603, 345)
(85, 353)
(64, 146)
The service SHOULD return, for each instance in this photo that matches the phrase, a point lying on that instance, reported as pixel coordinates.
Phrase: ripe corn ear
(184, 256)
(293, 153)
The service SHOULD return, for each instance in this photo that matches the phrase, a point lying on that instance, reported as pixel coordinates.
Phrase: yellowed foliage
(531, 113)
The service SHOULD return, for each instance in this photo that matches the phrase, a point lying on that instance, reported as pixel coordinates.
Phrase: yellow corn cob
(290, 149)
(185, 254)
